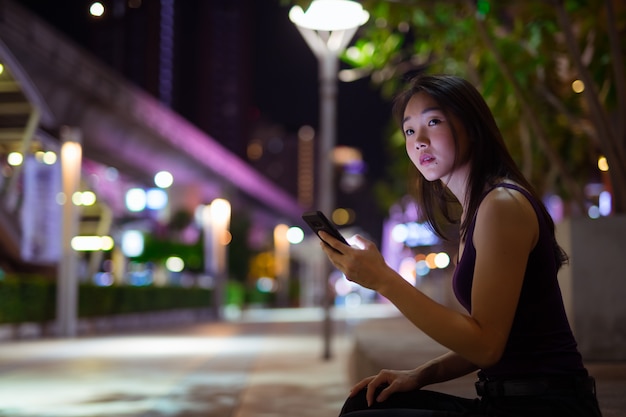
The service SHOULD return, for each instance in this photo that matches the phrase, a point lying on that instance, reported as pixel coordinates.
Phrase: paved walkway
(290, 377)
(263, 364)
(266, 363)
(290, 380)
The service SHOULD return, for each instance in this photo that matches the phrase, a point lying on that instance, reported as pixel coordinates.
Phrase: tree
(526, 57)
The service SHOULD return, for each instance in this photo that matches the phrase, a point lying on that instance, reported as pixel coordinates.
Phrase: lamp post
(67, 280)
(216, 221)
(327, 27)
(281, 255)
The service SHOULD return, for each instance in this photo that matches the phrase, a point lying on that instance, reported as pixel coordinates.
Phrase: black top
(541, 340)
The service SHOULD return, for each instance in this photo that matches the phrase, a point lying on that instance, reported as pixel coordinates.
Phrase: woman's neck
(457, 183)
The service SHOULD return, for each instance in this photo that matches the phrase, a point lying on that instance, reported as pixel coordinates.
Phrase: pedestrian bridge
(48, 83)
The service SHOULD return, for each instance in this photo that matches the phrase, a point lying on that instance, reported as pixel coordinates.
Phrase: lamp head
(329, 15)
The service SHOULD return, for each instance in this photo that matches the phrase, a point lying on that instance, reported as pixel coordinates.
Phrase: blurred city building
(164, 87)
(127, 134)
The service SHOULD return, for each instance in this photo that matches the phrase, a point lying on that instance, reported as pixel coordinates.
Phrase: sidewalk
(293, 380)
(262, 363)
(290, 376)
(268, 364)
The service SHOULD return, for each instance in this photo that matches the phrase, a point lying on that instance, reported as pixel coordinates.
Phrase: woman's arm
(506, 231)
(444, 368)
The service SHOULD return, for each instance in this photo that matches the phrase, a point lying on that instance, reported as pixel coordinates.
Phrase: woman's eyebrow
(426, 110)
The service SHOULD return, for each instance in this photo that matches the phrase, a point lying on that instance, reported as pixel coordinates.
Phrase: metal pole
(67, 280)
(328, 70)
(219, 214)
(327, 40)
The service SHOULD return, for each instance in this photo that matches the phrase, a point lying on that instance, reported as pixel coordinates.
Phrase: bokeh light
(605, 203)
(407, 270)
(92, 243)
(295, 235)
(15, 159)
(84, 198)
(578, 86)
(96, 9)
(266, 284)
(603, 164)
(156, 199)
(442, 260)
(163, 179)
(342, 216)
(136, 199)
(132, 243)
(174, 264)
(49, 158)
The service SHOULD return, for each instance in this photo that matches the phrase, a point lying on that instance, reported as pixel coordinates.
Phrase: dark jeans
(424, 403)
(420, 403)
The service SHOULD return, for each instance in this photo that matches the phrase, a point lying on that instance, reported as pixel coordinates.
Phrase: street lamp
(281, 262)
(67, 280)
(327, 27)
(216, 221)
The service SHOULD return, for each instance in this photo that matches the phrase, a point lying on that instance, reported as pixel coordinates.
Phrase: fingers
(330, 251)
(360, 385)
(372, 387)
(332, 241)
(362, 242)
(371, 392)
(380, 387)
(385, 393)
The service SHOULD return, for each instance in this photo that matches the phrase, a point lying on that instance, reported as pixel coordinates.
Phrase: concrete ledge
(593, 285)
(394, 343)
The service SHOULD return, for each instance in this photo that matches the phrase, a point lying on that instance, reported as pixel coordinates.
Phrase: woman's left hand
(364, 265)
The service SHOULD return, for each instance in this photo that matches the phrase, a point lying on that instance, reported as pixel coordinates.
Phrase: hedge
(34, 300)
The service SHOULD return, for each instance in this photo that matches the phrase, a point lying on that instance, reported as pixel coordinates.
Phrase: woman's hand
(364, 264)
(393, 381)
(441, 369)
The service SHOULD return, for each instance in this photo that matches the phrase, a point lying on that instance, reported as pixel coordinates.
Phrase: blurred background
(157, 155)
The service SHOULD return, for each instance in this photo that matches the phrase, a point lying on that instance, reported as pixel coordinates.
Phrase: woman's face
(430, 143)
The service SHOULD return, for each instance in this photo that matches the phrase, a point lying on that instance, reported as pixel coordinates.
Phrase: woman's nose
(421, 142)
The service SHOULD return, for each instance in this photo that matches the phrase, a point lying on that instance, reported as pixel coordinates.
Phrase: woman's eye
(408, 132)
(434, 122)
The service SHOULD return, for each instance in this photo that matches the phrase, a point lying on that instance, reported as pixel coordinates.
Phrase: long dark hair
(489, 158)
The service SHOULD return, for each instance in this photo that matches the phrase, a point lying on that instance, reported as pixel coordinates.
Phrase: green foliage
(34, 299)
(238, 249)
(410, 36)
(157, 249)
(103, 301)
(28, 299)
(256, 297)
(235, 293)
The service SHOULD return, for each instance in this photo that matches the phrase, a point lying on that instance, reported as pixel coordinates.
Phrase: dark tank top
(541, 341)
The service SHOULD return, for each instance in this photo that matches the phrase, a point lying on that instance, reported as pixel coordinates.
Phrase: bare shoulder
(502, 201)
(504, 211)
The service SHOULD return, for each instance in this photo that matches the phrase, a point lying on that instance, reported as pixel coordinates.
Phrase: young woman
(515, 332)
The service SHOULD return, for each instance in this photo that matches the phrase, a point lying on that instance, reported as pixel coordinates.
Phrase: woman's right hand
(394, 381)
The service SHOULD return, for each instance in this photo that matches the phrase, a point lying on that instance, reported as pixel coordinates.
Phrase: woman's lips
(426, 159)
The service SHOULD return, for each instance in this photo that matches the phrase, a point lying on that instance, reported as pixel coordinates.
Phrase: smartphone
(317, 221)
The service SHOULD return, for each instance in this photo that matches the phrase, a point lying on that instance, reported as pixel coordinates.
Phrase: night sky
(284, 80)
(286, 88)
